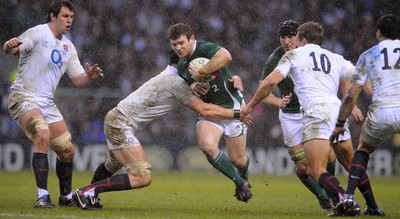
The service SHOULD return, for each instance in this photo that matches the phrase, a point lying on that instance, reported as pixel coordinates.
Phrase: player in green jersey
(221, 92)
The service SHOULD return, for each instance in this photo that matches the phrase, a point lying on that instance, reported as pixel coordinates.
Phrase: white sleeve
(360, 75)
(285, 64)
(29, 38)
(74, 65)
(347, 70)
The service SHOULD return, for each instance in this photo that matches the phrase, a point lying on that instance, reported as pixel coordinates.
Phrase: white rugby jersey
(43, 60)
(316, 73)
(156, 97)
(381, 64)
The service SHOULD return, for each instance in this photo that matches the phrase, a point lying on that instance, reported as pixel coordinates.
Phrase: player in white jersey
(380, 64)
(151, 100)
(317, 74)
(45, 55)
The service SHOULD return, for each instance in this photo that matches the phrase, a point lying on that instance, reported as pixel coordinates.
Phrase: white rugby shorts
(319, 121)
(292, 128)
(230, 128)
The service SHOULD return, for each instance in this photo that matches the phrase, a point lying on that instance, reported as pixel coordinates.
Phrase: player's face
(288, 42)
(64, 20)
(183, 46)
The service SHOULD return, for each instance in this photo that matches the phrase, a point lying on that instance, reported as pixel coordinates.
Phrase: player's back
(316, 73)
(156, 97)
(381, 64)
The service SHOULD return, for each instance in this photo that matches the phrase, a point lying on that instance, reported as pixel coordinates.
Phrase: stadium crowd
(128, 39)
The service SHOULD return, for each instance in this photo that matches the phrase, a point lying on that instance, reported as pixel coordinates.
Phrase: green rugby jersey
(221, 91)
(286, 86)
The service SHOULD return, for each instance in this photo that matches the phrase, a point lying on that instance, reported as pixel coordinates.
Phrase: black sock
(331, 186)
(366, 190)
(331, 167)
(101, 173)
(115, 183)
(64, 174)
(358, 167)
(40, 166)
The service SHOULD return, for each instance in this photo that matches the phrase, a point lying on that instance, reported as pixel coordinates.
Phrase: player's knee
(36, 128)
(63, 146)
(111, 163)
(141, 172)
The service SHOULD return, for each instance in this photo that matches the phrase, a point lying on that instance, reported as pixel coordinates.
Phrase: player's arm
(12, 46)
(356, 112)
(212, 111)
(85, 78)
(220, 59)
(265, 89)
(276, 101)
(347, 106)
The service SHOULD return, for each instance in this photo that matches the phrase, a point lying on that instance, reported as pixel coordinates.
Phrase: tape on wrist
(236, 114)
(340, 123)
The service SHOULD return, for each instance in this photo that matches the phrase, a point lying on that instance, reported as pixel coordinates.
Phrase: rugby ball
(199, 63)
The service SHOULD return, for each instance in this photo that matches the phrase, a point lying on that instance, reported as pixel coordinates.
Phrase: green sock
(313, 186)
(224, 165)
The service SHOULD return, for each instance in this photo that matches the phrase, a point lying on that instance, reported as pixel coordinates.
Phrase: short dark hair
(312, 31)
(288, 28)
(173, 57)
(56, 5)
(179, 29)
(389, 26)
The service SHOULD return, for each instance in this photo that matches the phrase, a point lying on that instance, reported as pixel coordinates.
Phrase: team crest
(65, 47)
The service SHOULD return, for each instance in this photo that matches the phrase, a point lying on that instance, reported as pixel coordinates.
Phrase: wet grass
(186, 195)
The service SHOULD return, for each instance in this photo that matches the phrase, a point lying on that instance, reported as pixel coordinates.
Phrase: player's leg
(37, 130)
(138, 176)
(376, 134)
(61, 144)
(208, 136)
(298, 156)
(317, 151)
(107, 168)
(236, 147)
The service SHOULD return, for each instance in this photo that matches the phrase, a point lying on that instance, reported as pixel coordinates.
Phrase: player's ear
(52, 17)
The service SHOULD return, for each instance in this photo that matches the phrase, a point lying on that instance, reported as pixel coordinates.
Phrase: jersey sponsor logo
(56, 58)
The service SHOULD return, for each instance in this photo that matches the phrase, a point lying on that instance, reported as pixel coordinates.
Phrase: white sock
(42, 192)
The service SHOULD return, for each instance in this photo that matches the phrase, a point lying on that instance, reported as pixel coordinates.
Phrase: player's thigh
(208, 133)
(317, 152)
(129, 155)
(236, 146)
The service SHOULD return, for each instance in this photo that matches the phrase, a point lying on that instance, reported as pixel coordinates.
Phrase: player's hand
(94, 71)
(357, 114)
(285, 101)
(200, 88)
(12, 46)
(237, 82)
(335, 134)
(194, 71)
(246, 119)
(12, 43)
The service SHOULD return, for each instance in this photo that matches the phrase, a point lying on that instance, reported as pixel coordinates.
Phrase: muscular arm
(264, 90)
(221, 59)
(212, 111)
(349, 101)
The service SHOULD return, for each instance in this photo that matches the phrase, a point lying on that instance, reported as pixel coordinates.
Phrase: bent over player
(153, 99)
(45, 54)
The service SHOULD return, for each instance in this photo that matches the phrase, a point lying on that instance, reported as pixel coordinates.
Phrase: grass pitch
(187, 195)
